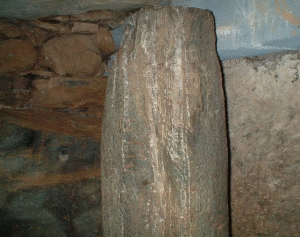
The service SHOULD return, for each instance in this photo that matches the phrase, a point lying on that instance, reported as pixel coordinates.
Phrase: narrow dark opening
(229, 150)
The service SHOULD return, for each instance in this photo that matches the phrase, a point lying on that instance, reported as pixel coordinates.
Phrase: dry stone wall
(263, 96)
(52, 91)
(50, 50)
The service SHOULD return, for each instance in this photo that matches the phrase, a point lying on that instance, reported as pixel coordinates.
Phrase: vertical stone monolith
(164, 144)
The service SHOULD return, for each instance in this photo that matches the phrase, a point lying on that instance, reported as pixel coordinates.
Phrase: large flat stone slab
(26, 9)
(264, 116)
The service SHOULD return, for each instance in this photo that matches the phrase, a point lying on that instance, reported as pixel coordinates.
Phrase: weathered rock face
(6, 91)
(16, 56)
(57, 27)
(9, 28)
(164, 148)
(73, 55)
(264, 116)
(48, 181)
(65, 76)
(14, 91)
(85, 28)
(68, 92)
(105, 42)
(49, 158)
(56, 178)
(26, 10)
(96, 16)
(36, 35)
(76, 45)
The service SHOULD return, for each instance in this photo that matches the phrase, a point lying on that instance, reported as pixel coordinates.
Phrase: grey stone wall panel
(263, 96)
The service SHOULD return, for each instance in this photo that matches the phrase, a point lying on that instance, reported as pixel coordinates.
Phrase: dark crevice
(229, 150)
(228, 141)
(30, 139)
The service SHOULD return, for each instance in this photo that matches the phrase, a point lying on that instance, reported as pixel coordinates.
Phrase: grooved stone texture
(164, 146)
(264, 116)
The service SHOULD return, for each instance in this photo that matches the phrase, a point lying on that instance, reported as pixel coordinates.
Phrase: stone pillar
(164, 146)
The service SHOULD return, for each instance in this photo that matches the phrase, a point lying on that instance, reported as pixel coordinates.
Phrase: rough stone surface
(60, 27)
(88, 223)
(14, 91)
(22, 97)
(64, 122)
(6, 91)
(68, 92)
(16, 56)
(95, 16)
(114, 24)
(9, 28)
(40, 193)
(264, 116)
(106, 42)
(37, 74)
(36, 35)
(73, 55)
(20, 83)
(25, 9)
(63, 18)
(85, 28)
(111, 19)
(164, 148)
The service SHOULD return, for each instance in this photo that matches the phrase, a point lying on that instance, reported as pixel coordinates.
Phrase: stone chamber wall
(52, 98)
(263, 96)
(52, 88)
